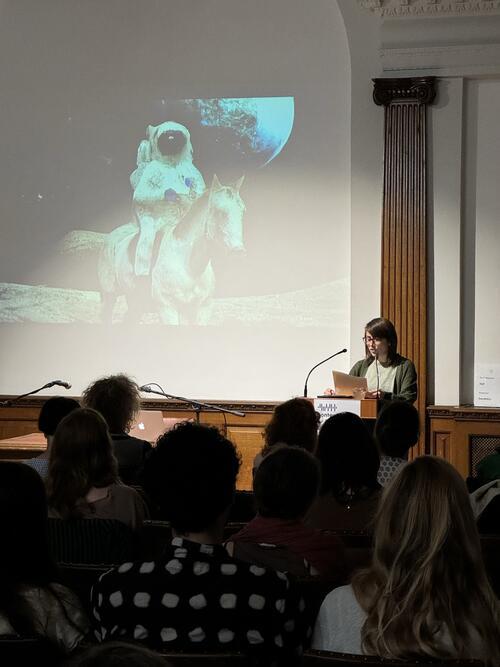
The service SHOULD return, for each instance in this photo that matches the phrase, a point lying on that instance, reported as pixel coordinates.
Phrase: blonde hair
(427, 576)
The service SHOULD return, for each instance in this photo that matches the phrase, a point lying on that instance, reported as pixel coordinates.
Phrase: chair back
(208, 659)
(90, 541)
(80, 579)
(330, 659)
(153, 538)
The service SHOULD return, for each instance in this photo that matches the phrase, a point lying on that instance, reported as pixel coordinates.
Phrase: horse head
(225, 214)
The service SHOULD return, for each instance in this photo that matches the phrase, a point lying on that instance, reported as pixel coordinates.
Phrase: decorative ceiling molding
(398, 8)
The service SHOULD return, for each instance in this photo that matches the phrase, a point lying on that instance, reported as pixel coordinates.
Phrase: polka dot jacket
(198, 598)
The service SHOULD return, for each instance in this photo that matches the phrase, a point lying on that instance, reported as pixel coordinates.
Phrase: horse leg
(168, 313)
(108, 300)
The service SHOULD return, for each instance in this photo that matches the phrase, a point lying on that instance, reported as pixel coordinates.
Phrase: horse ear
(216, 185)
(239, 183)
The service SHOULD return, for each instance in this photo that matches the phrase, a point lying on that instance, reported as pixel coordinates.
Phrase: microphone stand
(11, 401)
(321, 362)
(196, 405)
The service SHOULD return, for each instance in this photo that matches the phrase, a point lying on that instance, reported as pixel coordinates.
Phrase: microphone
(47, 385)
(377, 371)
(196, 405)
(321, 362)
(58, 383)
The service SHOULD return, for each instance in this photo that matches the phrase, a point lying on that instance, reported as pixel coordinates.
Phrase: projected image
(178, 254)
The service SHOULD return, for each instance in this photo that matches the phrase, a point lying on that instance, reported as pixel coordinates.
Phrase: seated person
(118, 400)
(196, 597)
(294, 423)
(53, 410)
(285, 485)
(349, 459)
(32, 602)
(83, 479)
(426, 594)
(396, 432)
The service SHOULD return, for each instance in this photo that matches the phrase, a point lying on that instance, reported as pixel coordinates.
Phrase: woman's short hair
(286, 483)
(397, 428)
(81, 457)
(117, 398)
(427, 571)
(53, 410)
(294, 422)
(191, 476)
(348, 455)
(383, 329)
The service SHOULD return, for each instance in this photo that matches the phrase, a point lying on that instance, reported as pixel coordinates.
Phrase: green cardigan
(405, 381)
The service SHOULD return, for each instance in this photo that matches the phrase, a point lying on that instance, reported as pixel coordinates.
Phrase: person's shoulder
(359, 367)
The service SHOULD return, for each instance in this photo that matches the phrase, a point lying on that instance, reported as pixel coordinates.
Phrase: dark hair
(81, 457)
(348, 455)
(286, 483)
(117, 398)
(117, 654)
(53, 410)
(383, 329)
(191, 475)
(294, 422)
(24, 557)
(397, 428)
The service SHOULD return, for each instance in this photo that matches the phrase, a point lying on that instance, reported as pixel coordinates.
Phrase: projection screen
(175, 193)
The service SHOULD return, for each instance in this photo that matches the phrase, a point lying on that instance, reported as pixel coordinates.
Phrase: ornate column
(404, 219)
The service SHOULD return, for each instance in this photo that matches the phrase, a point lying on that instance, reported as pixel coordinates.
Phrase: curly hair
(191, 475)
(117, 398)
(427, 576)
(81, 457)
(294, 422)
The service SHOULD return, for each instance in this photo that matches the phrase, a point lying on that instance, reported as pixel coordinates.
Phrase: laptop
(348, 385)
(149, 424)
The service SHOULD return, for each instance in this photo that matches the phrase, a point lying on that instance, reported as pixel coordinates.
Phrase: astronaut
(165, 185)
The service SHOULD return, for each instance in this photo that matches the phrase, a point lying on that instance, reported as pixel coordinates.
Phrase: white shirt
(387, 375)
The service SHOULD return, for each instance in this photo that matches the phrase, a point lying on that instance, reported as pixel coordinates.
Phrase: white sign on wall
(487, 385)
(327, 407)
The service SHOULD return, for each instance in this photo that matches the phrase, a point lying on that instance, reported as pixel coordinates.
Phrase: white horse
(183, 279)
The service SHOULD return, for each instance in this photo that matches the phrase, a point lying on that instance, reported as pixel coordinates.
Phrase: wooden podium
(366, 408)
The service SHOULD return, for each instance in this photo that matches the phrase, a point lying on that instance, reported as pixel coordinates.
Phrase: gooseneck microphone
(321, 362)
(47, 385)
(377, 371)
(196, 405)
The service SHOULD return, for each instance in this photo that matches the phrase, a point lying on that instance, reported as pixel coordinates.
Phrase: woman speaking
(389, 375)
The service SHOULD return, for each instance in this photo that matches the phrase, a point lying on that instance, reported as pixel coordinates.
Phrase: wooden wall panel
(404, 220)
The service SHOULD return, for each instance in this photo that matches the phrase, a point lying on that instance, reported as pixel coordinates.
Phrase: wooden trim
(404, 220)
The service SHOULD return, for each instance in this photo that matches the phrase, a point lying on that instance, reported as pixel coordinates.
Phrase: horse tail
(81, 241)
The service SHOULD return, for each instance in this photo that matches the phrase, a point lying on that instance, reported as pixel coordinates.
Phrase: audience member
(53, 410)
(83, 479)
(426, 594)
(349, 461)
(488, 469)
(197, 597)
(396, 432)
(117, 654)
(485, 502)
(285, 485)
(118, 400)
(32, 602)
(295, 423)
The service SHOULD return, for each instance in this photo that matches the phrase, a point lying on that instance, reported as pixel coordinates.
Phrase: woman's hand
(329, 392)
(375, 394)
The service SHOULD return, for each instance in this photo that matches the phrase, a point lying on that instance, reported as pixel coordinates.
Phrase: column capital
(421, 90)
